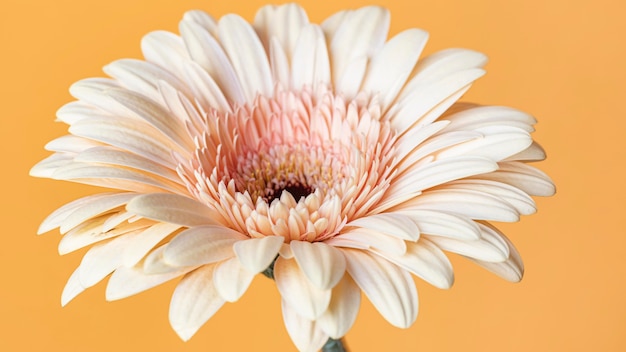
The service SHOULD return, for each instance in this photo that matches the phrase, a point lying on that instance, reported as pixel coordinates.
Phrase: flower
(325, 149)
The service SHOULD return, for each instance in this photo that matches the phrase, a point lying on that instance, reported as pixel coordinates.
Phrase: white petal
(153, 113)
(439, 172)
(93, 91)
(511, 269)
(72, 288)
(128, 281)
(498, 143)
(490, 248)
(92, 231)
(390, 288)
(392, 224)
(520, 201)
(440, 223)
(102, 259)
(172, 208)
(414, 107)
(70, 144)
(282, 22)
(247, 55)
(476, 117)
(533, 153)
(296, 289)
(205, 89)
(201, 245)
(231, 279)
(48, 166)
(390, 68)
(113, 156)
(166, 50)
(360, 35)
(322, 264)
(127, 134)
(195, 300)
(279, 63)
(525, 177)
(146, 240)
(256, 254)
(94, 209)
(361, 237)
(57, 217)
(475, 205)
(426, 260)
(111, 176)
(202, 18)
(304, 333)
(310, 66)
(206, 51)
(342, 310)
(77, 110)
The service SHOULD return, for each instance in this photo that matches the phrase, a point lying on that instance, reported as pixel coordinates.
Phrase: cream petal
(520, 201)
(172, 208)
(247, 55)
(127, 134)
(490, 248)
(128, 281)
(202, 18)
(78, 110)
(296, 289)
(70, 144)
(440, 223)
(322, 264)
(156, 115)
(49, 166)
(92, 91)
(114, 177)
(511, 269)
(204, 49)
(473, 204)
(146, 241)
(279, 63)
(534, 152)
(56, 218)
(361, 237)
(256, 254)
(310, 66)
(282, 23)
(194, 301)
(477, 117)
(393, 224)
(304, 333)
(413, 109)
(497, 143)
(360, 35)
(112, 156)
(427, 261)
(72, 288)
(409, 142)
(390, 67)
(201, 245)
(390, 288)
(525, 177)
(231, 279)
(166, 50)
(92, 231)
(439, 172)
(102, 259)
(94, 209)
(342, 310)
(155, 264)
(205, 89)
(142, 76)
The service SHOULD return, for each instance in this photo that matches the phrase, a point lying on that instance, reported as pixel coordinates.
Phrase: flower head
(327, 150)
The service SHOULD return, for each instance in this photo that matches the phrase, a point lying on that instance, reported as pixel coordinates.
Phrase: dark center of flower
(297, 190)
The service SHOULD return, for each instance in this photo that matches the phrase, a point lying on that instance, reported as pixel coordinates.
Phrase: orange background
(563, 61)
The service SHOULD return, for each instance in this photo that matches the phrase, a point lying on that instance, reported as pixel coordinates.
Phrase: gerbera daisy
(325, 152)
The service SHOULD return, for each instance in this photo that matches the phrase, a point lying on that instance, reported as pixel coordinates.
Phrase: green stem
(333, 345)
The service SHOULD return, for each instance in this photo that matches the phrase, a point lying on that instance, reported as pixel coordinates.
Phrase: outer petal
(231, 279)
(322, 264)
(201, 245)
(172, 208)
(195, 300)
(256, 254)
(297, 291)
(342, 310)
(511, 269)
(125, 281)
(390, 288)
(304, 333)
